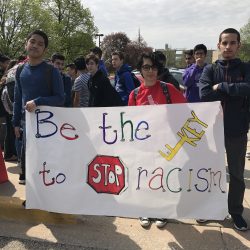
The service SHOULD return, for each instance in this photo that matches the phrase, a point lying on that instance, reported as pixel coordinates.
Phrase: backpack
(136, 81)
(7, 93)
(2, 109)
(164, 89)
(6, 101)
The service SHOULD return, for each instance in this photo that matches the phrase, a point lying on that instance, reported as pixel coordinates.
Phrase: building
(176, 58)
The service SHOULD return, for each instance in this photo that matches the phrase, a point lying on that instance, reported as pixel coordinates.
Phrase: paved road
(10, 243)
(31, 229)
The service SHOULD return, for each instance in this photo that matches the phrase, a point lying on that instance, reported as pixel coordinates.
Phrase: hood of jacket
(124, 68)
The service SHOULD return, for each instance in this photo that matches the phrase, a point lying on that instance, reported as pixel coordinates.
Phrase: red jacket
(154, 95)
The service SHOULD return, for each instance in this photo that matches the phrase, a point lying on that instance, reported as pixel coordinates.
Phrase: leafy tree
(120, 42)
(245, 40)
(17, 19)
(69, 25)
(113, 42)
(73, 27)
(133, 51)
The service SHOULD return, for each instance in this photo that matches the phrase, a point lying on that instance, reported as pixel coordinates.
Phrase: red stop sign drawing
(107, 174)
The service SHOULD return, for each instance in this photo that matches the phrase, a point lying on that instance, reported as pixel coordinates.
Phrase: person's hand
(199, 61)
(215, 87)
(30, 106)
(17, 132)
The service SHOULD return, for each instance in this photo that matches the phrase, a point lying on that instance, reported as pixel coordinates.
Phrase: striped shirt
(81, 85)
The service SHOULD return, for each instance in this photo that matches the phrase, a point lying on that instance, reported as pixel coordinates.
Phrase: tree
(133, 51)
(69, 25)
(113, 42)
(245, 41)
(73, 27)
(120, 42)
(17, 19)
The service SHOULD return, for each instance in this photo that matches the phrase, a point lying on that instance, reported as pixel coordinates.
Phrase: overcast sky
(179, 23)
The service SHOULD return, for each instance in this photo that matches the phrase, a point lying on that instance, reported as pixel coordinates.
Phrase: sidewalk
(99, 232)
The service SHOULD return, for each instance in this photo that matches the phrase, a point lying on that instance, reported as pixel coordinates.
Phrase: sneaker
(22, 182)
(201, 221)
(22, 179)
(145, 222)
(160, 223)
(18, 164)
(12, 158)
(239, 223)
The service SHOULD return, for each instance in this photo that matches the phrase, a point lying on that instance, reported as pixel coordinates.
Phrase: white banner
(160, 161)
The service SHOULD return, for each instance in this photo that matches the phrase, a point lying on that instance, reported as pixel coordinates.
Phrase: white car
(177, 74)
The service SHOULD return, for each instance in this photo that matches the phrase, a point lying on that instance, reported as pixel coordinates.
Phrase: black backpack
(136, 81)
(7, 95)
(2, 109)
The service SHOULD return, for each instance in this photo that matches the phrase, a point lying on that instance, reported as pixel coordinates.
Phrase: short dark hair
(119, 54)
(4, 58)
(71, 65)
(80, 63)
(161, 57)
(40, 33)
(189, 52)
(228, 31)
(96, 51)
(92, 57)
(152, 57)
(200, 47)
(58, 56)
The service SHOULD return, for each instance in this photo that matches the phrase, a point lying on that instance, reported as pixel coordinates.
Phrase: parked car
(177, 74)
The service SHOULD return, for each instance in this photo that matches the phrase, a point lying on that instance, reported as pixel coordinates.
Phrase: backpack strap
(136, 90)
(49, 77)
(18, 71)
(166, 92)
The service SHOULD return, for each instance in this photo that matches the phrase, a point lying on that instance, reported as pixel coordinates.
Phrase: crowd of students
(86, 84)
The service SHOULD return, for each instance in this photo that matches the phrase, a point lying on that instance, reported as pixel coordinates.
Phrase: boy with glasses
(192, 74)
